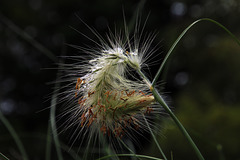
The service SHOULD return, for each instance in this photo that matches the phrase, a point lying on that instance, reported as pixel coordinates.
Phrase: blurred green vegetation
(201, 81)
(208, 106)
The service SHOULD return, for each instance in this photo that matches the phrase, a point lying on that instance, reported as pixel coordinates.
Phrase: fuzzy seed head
(106, 98)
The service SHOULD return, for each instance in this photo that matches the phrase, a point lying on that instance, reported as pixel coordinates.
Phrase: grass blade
(155, 139)
(129, 155)
(160, 100)
(48, 143)
(3, 156)
(14, 135)
(180, 37)
(53, 121)
(27, 37)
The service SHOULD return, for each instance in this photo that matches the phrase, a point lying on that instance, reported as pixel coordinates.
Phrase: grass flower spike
(107, 100)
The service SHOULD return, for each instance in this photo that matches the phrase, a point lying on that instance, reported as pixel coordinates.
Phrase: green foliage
(208, 105)
(212, 125)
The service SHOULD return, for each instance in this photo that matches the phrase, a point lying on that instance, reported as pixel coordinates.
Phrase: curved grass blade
(3, 156)
(14, 135)
(180, 37)
(48, 143)
(130, 155)
(53, 121)
(27, 37)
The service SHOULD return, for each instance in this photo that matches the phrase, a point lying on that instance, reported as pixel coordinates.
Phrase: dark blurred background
(201, 79)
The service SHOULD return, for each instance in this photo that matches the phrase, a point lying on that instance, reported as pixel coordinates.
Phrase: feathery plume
(104, 98)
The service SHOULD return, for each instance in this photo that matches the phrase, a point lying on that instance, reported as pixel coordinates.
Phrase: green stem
(48, 143)
(180, 37)
(129, 155)
(158, 96)
(155, 139)
(3, 156)
(53, 113)
(53, 122)
(14, 135)
(160, 100)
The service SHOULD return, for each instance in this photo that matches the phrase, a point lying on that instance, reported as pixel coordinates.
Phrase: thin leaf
(3, 156)
(14, 135)
(27, 37)
(155, 139)
(180, 37)
(129, 155)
